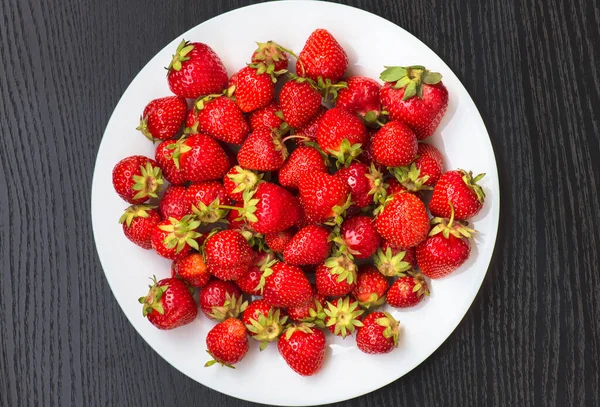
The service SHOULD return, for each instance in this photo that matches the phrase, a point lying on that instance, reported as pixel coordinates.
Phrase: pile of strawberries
(294, 203)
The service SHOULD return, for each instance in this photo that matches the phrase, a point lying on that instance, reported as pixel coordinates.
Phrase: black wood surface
(532, 336)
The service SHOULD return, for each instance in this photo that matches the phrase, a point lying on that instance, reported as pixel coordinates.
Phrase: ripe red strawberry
(164, 157)
(322, 56)
(196, 70)
(228, 255)
(414, 96)
(278, 241)
(254, 89)
(424, 172)
(391, 260)
(238, 180)
(204, 199)
(263, 150)
(459, 189)
(271, 53)
(367, 154)
(137, 179)
(341, 134)
(312, 311)
(300, 101)
(138, 222)
(174, 203)
(227, 343)
(394, 145)
(220, 300)
(169, 304)
(162, 118)
(286, 286)
(322, 196)
(310, 128)
(264, 322)
(201, 158)
(219, 117)
(175, 238)
(192, 269)
(371, 287)
(360, 236)
(379, 333)
(250, 282)
(303, 159)
(268, 117)
(403, 220)
(335, 280)
(343, 316)
(365, 184)
(361, 98)
(303, 348)
(310, 246)
(407, 291)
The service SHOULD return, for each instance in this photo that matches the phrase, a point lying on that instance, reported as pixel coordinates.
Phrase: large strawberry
(238, 180)
(264, 322)
(323, 196)
(175, 238)
(270, 53)
(407, 291)
(458, 189)
(204, 199)
(303, 159)
(220, 300)
(263, 150)
(415, 96)
(360, 236)
(303, 348)
(285, 286)
(138, 222)
(201, 158)
(219, 117)
(192, 269)
(300, 100)
(403, 220)
(269, 116)
(394, 145)
(170, 170)
(379, 333)
(361, 98)
(371, 287)
(196, 70)
(227, 343)
(322, 56)
(137, 179)
(254, 88)
(228, 255)
(341, 134)
(424, 172)
(174, 203)
(310, 246)
(169, 304)
(162, 118)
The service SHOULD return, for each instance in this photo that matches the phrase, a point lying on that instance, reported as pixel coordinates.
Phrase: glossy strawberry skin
(409, 254)
(355, 175)
(439, 256)
(287, 286)
(369, 337)
(403, 221)
(394, 145)
(174, 203)
(303, 159)
(249, 282)
(311, 127)
(303, 352)
(401, 294)
(360, 97)
(228, 255)
(371, 285)
(430, 163)
(262, 151)
(320, 193)
(170, 172)
(327, 284)
(123, 174)
(227, 341)
(162, 118)
(310, 246)
(158, 238)
(253, 90)
(322, 56)
(302, 312)
(205, 160)
(451, 187)
(214, 294)
(221, 119)
(361, 236)
(140, 229)
(299, 102)
(265, 117)
(278, 241)
(276, 210)
(338, 124)
(394, 187)
(192, 269)
(178, 305)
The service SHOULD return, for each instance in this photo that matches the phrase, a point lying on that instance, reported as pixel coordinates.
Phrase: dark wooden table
(532, 337)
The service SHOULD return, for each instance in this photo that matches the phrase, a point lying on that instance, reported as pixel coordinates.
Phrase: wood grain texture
(532, 336)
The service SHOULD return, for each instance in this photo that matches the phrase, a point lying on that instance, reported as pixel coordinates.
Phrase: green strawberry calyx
(342, 264)
(201, 102)
(231, 308)
(135, 211)
(143, 127)
(391, 265)
(181, 55)
(420, 287)
(330, 90)
(267, 328)
(266, 268)
(247, 211)
(375, 178)
(316, 315)
(410, 177)
(178, 148)
(148, 183)
(214, 360)
(152, 301)
(410, 78)
(245, 180)
(450, 226)
(472, 183)
(210, 213)
(301, 327)
(346, 153)
(392, 327)
(181, 232)
(343, 315)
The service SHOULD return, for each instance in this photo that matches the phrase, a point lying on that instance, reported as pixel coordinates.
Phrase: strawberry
(138, 222)
(336, 279)
(393, 186)
(204, 199)
(228, 255)
(341, 134)
(407, 291)
(403, 220)
(278, 241)
(196, 70)
(379, 333)
(303, 159)
(175, 238)
(169, 304)
(322, 196)
(458, 189)
(409, 255)
(162, 118)
(424, 172)
(269, 117)
(343, 316)
(238, 180)
(164, 157)
(365, 183)
(371, 287)
(303, 348)
(361, 98)
(219, 117)
(227, 343)
(360, 236)
(250, 282)
(311, 311)
(300, 101)
(254, 88)
(322, 56)
(137, 179)
(394, 145)
(285, 286)
(174, 203)
(392, 261)
(192, 269)
(310, 128)
(201, 158)
(414, 96)
(270, 53)
(263, 150)
(263, 322)
(220, 300)
(310, 246)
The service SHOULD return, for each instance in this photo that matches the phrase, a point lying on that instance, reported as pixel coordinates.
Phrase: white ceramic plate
(371, 42)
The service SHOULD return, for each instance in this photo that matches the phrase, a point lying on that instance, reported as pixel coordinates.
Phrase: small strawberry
(407, 291)
(255, 88)
(403, 220)
(227, 343)
(264, 323)
(162, 118)
(269, 117)
(458, 189)
(392, 262)
(312, 311)
(366, 184)
(336, 277)
(310, 246)
(228, 255)
(394, 145)
(414, 96)
(343, 316)
(192, 269)
(360, 236)
(219, 117)
(285, 286)
(311, 127)
(303, 348)
(174, 203)
(303, 159)
(175, 238)
(379, 333)
(270, 53)
(322, 196)
(138, 222)
(164, 158)
(196, 70)
(201, 158)
(278, 241)
(204, 199)
(238, 180)
(322, 56)
(300, 101)
(341, 134)
(137, 179)
(169, 304)
(361, 98)
(250, 282)
(220, 300)
(263, 150)
(409, 256)
(371, 287)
